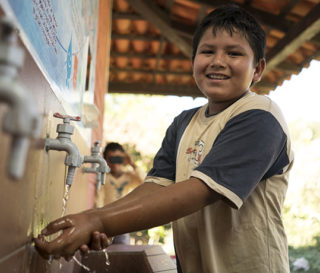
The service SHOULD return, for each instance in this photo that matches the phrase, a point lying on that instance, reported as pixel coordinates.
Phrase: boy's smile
(224, 68)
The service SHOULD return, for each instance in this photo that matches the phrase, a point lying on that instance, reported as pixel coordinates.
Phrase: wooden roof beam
(288, 68)
(316, 39)
(126, 15)
(265, 86)
(147, 56)
(307, 28)
(152, 89)
(265, 18)
(288, 7)
(144, 71)
(178, 27)
(116, 36)
(158, 18)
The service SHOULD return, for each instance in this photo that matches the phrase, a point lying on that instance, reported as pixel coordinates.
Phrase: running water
(64, 208)
(106, 256)
(80, 264)
(65, 199)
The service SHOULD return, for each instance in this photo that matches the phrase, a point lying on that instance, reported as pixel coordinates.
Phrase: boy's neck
(116, 174)
(217, 107)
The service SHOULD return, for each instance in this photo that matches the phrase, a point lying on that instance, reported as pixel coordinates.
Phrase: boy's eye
(206, 51)
(234, 53)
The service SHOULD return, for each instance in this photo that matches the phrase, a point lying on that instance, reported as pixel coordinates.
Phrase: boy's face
(115, 161)
(224, 68)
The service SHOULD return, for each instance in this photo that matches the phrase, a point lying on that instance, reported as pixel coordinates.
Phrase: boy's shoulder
(254, 101)
(186, 115)
(188, 112)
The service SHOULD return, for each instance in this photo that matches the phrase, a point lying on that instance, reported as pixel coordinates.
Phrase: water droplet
(80, 264)
(50, 260)
(106, 256)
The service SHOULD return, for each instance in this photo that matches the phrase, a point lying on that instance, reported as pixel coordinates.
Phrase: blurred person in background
(119, 181)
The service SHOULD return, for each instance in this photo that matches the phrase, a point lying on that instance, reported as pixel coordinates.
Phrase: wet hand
(98, 242)
(75, 231)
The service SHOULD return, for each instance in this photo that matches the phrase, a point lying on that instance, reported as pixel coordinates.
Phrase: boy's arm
(137, 193)
(147, 206)
(159, 207)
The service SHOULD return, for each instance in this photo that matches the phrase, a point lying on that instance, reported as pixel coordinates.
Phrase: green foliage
(140, 237)
(301, 211)
(158, 235)
(310, 253)
(143, 161)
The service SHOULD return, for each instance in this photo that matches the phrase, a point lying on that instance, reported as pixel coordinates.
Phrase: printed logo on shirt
(118, 188)
(195, 153)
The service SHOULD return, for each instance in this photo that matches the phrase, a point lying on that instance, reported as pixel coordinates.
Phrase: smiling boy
(221, 173)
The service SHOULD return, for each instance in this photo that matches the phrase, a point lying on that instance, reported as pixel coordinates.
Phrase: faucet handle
(66, 118)
(96, 143)
(96, 149)
(65, 128)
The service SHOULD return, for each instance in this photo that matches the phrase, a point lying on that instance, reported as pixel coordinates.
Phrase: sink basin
(129, 259)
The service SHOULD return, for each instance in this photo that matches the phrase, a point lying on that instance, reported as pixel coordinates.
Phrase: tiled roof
(151, 42)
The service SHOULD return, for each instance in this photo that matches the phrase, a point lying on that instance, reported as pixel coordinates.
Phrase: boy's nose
(217, 60)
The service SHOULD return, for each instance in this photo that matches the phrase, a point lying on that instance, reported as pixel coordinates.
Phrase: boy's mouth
(217, 76)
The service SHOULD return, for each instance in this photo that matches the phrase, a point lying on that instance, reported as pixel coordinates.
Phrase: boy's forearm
(156, 207)
(137, 193)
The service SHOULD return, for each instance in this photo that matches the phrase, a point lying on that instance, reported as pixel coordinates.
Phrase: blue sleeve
(164, 163)
(251, 147)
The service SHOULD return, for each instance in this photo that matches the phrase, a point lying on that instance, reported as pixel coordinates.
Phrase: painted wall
(28, 204)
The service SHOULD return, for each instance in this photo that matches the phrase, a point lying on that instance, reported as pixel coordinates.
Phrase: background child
(119, 181)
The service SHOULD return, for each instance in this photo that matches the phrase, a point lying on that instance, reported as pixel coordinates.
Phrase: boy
(221, 173)
(119, 182)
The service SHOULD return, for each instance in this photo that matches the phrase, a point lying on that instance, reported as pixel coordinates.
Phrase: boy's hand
(75, 231)
(98, 242)
(128, 160)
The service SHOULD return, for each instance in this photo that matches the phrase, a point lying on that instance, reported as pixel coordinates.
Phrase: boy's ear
(260, 67)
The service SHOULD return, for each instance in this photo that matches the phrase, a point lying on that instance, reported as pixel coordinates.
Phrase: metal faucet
(22, 119)
(63, 143)
(93, 169)
(99, 165)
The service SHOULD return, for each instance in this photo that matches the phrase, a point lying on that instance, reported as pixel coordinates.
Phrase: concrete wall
(28, 204)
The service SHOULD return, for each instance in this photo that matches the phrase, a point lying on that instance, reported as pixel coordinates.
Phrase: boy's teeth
(217, 77)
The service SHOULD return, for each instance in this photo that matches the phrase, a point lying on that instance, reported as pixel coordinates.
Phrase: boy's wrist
(96, 216)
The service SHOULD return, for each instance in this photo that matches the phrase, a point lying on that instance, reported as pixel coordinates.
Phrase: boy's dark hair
(232, 18)
(112, 146)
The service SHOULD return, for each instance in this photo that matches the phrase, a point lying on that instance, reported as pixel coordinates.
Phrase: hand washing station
(129, 259)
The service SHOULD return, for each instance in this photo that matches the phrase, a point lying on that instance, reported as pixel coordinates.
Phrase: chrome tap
(63, 143)
(93, 169)
(99, 165)
(22, 120)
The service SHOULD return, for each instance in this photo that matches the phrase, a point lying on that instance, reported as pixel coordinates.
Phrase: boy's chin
(223, 97)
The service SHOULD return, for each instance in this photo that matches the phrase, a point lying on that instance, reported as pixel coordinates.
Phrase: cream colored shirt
(244, 154)
(116, 188)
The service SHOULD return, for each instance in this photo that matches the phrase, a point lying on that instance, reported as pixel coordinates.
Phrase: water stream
(64, 208)
(65, 199)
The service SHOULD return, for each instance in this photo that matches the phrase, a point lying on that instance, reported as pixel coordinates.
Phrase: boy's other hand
(98, 242)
